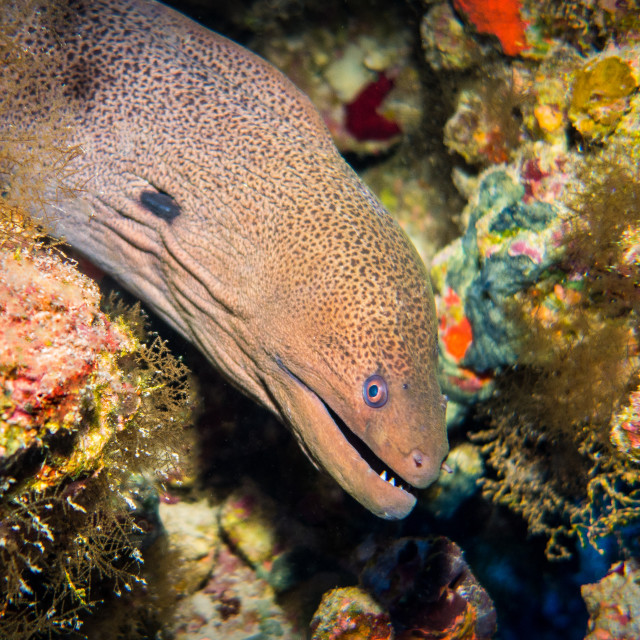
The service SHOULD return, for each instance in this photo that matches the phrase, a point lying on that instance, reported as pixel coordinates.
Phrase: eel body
(212, 190)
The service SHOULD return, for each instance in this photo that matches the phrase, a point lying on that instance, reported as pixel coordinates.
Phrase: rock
(192, 529)
(350, 614)
(429, 591)
(235, 604)
(614, 603)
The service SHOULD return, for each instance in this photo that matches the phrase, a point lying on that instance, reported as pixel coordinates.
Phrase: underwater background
(141, 496)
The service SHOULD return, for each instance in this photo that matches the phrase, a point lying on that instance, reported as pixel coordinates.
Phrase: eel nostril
(418, 458)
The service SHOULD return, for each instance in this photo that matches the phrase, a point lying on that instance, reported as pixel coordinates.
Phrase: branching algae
(564, 442)
(84, 405)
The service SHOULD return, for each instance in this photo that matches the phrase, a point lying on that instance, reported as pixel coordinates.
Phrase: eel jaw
(316, 427)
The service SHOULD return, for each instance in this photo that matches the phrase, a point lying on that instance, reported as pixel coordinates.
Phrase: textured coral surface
(499, 18)
(55, 347)
(614, 604)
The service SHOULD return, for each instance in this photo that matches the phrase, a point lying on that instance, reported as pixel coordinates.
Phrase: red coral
(500, 18)
(457, 338)
(362, 118)
(543, 181)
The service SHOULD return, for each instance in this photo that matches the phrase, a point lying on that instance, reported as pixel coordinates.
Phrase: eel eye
(374, 391)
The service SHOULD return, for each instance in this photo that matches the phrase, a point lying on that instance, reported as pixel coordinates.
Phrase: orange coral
(500, 18)
(457, 338)
(455, 328)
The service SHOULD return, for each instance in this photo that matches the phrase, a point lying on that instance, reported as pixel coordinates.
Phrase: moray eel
(212, 190)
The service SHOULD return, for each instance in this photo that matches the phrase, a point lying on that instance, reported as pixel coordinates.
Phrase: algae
(550, 441)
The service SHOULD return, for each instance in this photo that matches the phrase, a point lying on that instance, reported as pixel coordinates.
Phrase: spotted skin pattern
(276, 260)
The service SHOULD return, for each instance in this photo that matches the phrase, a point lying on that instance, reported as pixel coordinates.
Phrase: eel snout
(386, 491)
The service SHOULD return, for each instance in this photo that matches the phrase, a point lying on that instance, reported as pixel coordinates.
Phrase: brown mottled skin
(281, 267)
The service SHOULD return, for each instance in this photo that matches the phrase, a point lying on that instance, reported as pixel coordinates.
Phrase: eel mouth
(364, 451)
(369, 462)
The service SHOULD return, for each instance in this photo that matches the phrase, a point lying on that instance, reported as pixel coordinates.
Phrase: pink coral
(55, 344)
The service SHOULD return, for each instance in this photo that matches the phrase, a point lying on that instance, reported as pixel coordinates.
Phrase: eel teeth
(392, 481)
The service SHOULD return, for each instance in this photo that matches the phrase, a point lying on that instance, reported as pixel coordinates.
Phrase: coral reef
(234, 604)
(446, 45)
(89, 413)
(586, 25)
(541, 290)
(484, 128)
(222, 595)
(361, 80)
(549, 286)
(552, 417)
(600, 96)
(56, 349)
(534, 108)
(545, 111)
(253, 579)
(501, 19)
(350, 614)
(508, 244)
(614, 603)
(84, 405)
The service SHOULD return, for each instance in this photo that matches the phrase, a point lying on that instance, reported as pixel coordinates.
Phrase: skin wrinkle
(229, 365)
(279, 250)
(142, 242)
(220, 294)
